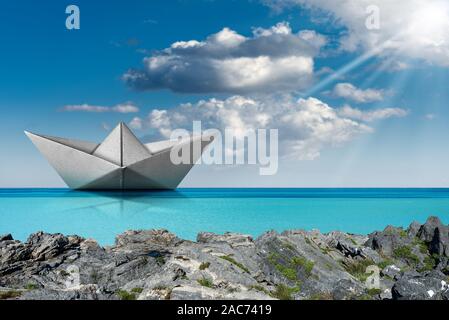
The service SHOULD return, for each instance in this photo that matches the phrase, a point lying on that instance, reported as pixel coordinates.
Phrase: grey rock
(347, 290)
(232, 239)
(436, 235)
(430, 286)
(146, 239)
(413, 229)
(6, 237)
(427, 230)
(391, 271)
(156, 264)
(46, 246)
(386, 295)
(445, 295)
(387, 240)
(88, 292)
(442, 264)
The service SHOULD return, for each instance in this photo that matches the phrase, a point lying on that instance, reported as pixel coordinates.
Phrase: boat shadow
(123, 203)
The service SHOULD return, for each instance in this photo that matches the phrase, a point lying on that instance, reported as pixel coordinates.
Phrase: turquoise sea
(186, 212)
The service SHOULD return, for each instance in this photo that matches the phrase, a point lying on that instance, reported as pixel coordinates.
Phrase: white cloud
(371, 115)
(85, 108)
(271, 59)
(430, 116)
(350, 92)
(150, 21)
(416, 29)
(306, 126)
(136, 123)
(120, 108)
(125, 108)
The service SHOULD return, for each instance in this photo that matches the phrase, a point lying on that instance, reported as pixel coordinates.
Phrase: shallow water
(188, 211)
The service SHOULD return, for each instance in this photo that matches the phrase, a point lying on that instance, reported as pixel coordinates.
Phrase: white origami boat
(120, 162)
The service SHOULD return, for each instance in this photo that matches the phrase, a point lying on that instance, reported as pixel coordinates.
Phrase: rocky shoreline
(406, 264)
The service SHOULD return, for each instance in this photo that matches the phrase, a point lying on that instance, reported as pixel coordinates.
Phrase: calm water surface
(186, 212)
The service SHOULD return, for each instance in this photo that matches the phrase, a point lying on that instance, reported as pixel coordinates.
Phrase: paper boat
(120, 162)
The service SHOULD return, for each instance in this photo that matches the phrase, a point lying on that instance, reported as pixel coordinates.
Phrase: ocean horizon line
(232, 193)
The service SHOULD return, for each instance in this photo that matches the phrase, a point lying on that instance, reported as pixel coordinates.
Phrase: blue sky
(398, 94)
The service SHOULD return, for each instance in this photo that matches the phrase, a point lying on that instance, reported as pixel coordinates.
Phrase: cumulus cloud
(306, 126)
(350, 92)
(125, 108)
(371, 115)
(414, 29)
(136, 123)
(119, 108)
(271, 59)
